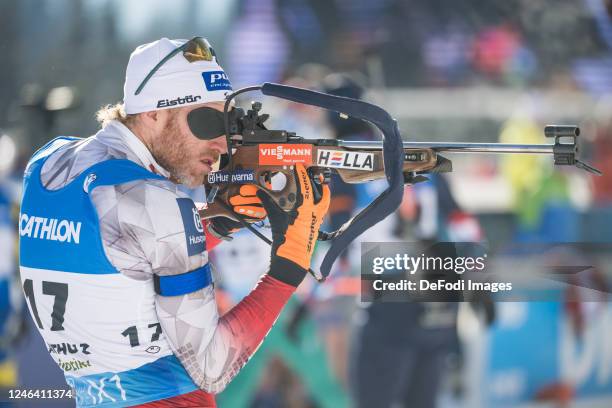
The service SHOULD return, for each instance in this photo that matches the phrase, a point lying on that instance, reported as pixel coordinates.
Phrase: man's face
(178, 150)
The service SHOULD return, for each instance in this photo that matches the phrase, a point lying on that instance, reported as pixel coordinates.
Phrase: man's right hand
(294, 233)
(244, 203)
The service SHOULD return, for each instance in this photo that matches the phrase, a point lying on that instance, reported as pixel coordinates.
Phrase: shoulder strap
(52, 146)
(115, 171)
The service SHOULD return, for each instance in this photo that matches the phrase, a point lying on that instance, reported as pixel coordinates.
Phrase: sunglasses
(206, 123)
(196, 49)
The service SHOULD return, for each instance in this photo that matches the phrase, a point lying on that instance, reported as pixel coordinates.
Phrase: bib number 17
(56, 289)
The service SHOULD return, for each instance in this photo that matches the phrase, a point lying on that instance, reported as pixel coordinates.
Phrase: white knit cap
(176, 83)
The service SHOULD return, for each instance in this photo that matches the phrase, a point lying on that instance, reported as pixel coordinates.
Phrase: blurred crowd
(64, 59)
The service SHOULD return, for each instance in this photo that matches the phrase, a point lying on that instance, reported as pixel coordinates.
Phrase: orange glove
(294, 233)
(245, 203)
(248, 204)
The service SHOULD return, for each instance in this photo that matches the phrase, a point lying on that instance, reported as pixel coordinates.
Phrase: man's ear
(155, 118)
(151, 116)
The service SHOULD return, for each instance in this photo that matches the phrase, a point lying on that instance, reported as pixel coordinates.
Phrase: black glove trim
(286, 271)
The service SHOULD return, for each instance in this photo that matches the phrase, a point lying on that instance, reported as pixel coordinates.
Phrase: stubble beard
(172, 153)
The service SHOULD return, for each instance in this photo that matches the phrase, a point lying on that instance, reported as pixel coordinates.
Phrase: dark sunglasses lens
(206, 123)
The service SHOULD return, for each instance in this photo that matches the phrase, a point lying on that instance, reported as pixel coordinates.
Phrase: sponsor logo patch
(194, 230)
(232, 177)
(68, 348)
(282, 154)
(51, 229)
(216, 81)
(164, 103)
(88, 180)
(340, 159)
(73, 364)
(153, 349)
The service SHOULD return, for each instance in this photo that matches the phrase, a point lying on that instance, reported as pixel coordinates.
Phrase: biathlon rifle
(256, 153)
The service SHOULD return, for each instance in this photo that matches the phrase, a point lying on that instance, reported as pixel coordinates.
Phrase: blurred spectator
(300, 20)
(493, 49)
(522, 171)
(257, 47)
(541, 194)
(445, 55)
(559, 30)
(359, 29)
(602, 12)
(594, 74)
(401, 348)
(547, 215)
(500, 53)
(305, 120)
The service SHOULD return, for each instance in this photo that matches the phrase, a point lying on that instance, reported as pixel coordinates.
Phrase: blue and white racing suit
(116, 276)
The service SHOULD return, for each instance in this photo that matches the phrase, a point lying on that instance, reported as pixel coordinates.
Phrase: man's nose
(219, 144)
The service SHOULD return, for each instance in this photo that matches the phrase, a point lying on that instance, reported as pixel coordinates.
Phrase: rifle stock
(416, 161)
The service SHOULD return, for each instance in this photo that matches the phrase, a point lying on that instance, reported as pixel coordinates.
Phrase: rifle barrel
(458, 147)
